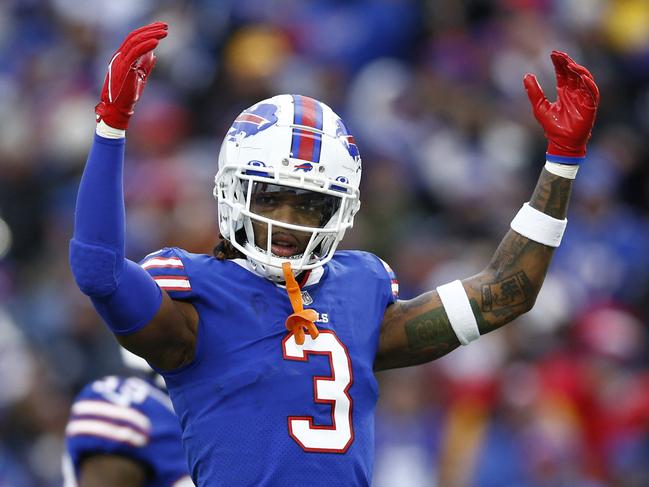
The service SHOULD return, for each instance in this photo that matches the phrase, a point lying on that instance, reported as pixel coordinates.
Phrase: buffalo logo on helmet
(348, 140)
(253, 120)
(305, 166)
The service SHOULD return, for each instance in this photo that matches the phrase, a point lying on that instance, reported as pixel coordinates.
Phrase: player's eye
(309, 206)
(265, 200)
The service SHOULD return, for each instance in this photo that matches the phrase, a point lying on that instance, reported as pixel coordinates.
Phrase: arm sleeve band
(538, 226)
(568, 171)
(459, 312)
(123, 293)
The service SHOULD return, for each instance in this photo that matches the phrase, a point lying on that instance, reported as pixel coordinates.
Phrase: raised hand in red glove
(127, 74)
(568, 121)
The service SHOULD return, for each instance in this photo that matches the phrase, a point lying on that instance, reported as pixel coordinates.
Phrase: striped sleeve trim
(163, 263)
(106, 430)
(395, 287)
(173, 283)
(394, 282)
(112, 412)
(167, 270)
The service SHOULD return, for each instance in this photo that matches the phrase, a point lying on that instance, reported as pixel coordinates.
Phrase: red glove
(568, 121)
(127, 73)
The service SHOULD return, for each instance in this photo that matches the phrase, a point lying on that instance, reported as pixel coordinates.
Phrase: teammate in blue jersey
(123, 432)
(269, 346)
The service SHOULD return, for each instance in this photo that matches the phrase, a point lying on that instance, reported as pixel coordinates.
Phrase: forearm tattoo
(428, 330)
(513, 279)
(431, 329)
(506, 289)
(506, 293)
(417, 331)
(552, 194)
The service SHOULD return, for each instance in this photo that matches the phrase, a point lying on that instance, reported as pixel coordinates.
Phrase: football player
(123, 432)
(269, 346)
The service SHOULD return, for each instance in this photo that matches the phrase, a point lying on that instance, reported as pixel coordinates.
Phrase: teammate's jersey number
(124, 393)
(332, 390)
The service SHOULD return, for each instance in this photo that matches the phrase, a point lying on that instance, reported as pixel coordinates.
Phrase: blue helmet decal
(256, 163)
(259, 164)
(253, 120)
(348, 140)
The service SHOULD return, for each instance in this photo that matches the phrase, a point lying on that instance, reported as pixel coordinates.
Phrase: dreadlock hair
(224, 250)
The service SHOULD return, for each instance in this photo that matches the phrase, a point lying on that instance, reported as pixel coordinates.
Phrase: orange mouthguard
(302, 319)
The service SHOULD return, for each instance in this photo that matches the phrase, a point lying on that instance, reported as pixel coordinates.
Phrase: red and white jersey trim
(163, 263)
(173, 279)
(104, 429)
(112, 412)
(173, 283)
(394, 282)
(395, 287)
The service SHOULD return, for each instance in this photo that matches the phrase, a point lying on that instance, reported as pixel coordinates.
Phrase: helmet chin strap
(267, 271)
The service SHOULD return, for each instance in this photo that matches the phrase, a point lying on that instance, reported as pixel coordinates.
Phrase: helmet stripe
(307, 145)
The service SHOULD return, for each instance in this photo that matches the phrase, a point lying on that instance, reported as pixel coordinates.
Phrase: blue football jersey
(257, 409)
(128, 417)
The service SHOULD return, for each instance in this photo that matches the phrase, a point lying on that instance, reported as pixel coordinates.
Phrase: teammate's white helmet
(134, 362)
(290, 141)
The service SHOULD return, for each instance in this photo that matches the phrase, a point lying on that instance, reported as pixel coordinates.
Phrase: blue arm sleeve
(122, 292)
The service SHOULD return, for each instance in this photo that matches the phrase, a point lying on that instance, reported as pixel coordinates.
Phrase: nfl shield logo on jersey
(306, 298)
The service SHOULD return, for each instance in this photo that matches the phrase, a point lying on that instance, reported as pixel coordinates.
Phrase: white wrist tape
(568, 171)
(459, 312)
(538, 226)
(107, 132)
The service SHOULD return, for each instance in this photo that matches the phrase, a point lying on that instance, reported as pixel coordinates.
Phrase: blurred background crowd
(432, 91)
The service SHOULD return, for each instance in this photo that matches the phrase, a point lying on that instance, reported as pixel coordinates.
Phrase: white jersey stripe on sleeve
(393, 278)
(109, 431)
(113, 412)
(163, 263)
(173, 283)
(154, 253)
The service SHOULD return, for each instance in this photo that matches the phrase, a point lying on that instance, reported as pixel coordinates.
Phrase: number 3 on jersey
(332, 390)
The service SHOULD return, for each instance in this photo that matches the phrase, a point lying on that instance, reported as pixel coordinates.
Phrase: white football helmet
(292, 142)
(135, 362)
